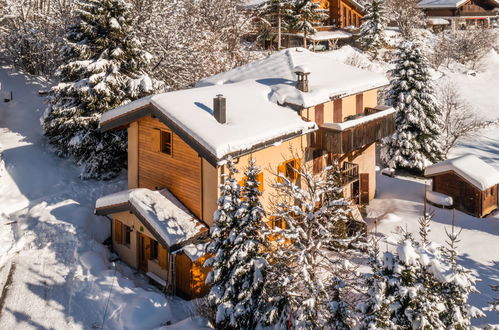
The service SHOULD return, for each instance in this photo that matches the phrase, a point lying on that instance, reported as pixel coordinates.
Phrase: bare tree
(458, 116)
(406, 15)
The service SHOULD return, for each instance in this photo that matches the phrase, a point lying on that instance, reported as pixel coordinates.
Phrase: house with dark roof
(179, 142)
(461, 13)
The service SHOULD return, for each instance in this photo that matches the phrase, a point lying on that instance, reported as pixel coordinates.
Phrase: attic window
(289, 169)
(259, 179)
(166, 142)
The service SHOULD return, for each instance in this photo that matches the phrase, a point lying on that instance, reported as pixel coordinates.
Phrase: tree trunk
(279, 31)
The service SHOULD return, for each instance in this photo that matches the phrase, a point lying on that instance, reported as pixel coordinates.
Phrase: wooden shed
(471, 182)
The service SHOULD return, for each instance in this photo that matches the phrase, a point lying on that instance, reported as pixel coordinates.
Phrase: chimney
(220, 109)
(302, 76)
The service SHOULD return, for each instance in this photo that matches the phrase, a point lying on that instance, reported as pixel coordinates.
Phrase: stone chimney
(220, 109)
(302, 78)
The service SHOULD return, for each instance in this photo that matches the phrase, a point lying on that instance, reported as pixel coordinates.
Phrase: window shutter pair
(118, 232)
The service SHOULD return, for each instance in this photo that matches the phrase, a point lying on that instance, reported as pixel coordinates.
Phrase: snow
(385, 111)
(195, 251)
(50, 240)
(437, 21)
(441, 3)
(169, 218)
(328, 78)
(470, 167)
(327, 35)
(439, 198)
(251, 117)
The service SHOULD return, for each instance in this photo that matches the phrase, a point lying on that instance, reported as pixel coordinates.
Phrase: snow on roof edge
(473, 169)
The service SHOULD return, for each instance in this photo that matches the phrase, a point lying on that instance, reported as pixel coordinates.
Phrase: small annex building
(169, 240)
(471, 182)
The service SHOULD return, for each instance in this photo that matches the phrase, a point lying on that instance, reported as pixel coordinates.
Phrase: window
(277, 223)
(166, 142)
(154, 250)
(289, 169)
(259, 179)
(126, 235)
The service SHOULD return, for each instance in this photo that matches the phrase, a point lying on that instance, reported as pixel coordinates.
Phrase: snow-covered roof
(328, 79)
(441, 3)
(160, 211)
(252, 4)
(384, 111)
(194, 251)
(471, 168)
(438, 21)
(327, 35)
(252, 117)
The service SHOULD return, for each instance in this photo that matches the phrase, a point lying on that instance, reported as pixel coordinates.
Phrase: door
(468, 198)
(143, 251)
(364, 188)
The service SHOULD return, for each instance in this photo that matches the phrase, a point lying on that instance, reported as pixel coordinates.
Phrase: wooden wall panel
(180, 173)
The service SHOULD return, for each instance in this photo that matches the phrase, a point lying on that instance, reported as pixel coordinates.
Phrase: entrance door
(143, 247)
(364, 188)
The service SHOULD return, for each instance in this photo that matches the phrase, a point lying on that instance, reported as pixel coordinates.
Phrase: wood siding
(180, 172)
(466, 197)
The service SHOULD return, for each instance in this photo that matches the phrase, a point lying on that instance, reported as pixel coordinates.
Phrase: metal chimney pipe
(220, 109)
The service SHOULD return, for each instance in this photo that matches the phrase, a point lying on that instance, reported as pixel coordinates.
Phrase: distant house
(345, 13)
(472, 184)
(178, 144)
(461, 13)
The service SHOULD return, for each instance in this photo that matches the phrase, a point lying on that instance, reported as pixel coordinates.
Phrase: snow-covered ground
(54, 271)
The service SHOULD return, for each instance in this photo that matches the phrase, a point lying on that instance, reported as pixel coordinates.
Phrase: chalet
(461, 13)
(471, 183)
(345, 13)
(178, 143)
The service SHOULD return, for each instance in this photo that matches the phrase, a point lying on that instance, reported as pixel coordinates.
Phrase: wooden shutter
(281, 169)
(156, 140)
(337, 111)
(359, 103)
(319, 114)
(317, 156)
(259, 178)
(118, 232)
(162, 256)
(364, 188)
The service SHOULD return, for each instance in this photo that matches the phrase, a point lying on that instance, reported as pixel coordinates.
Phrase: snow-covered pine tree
(455, 290)
(221, 245)
(246, 260)
(306, 277)
(411, 287)
(416, 142)
(278, 14)
(306, 15)
(375, 310)
(105, 68)
(372, 30)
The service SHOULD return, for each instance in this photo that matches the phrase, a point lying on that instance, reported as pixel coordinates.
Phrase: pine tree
(307, 278)
(278, 14)
(375, 310)
(239, 264)
(372, 30)
(225, 218)
(458, 285)
(306, 15)
(105, 69)
(416, 142)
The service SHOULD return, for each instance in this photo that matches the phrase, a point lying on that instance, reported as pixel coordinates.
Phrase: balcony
(349, 173)
(474, 10)
(369, 127)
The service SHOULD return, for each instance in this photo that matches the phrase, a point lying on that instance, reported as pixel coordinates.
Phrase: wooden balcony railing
(349, 173)
(474, 10)
(341, 138)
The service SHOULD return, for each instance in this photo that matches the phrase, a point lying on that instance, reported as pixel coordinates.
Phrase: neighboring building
(178, 143)
(470, 182)
(462, 13)
(345, 13)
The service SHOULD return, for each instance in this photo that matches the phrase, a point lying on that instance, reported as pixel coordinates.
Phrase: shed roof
(469, 167)
(162, 214)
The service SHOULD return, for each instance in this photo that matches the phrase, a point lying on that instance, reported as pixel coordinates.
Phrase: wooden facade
(343, 13)
(466, 197)
(179, 172)
(471, 12)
